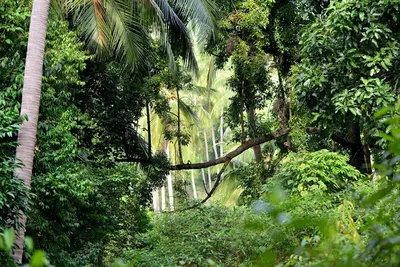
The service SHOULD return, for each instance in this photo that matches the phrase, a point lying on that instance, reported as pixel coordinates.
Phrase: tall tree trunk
(368, 162)
(221, 135)
(203, 177)
(169, 180)
(194, 186)
(170, 192)
(241, 112)
(251, 117)
(179, 128)
(163, 206)
(156, 201)
(357, 157)
(214, 142)
(208, 158)
(284, 110)
(30, 105)
(148, 130)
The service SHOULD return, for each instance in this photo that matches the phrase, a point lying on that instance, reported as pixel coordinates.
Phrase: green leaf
(307, 83)
(381, 112)
(118, 263)
(9, 238)
(353, 111)
(361, 15)
(38, 259)
(29, 243)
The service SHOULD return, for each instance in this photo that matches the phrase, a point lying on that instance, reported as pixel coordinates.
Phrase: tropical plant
(13, 195)
(119, 27)
(320, 171)
(216, 235)
(348, 70)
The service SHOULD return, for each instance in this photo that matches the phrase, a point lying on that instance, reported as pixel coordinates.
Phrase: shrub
(209, 235)
(320, 171)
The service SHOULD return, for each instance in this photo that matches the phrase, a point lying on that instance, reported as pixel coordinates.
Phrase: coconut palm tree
(30, 104)
(113, 27)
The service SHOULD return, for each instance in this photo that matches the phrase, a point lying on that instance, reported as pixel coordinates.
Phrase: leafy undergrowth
(348, 225)
(215, 236)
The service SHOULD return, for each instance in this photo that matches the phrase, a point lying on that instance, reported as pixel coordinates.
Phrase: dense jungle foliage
(203, 133)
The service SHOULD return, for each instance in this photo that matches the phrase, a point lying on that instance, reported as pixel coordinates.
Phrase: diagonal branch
(217, 181)
(209, 194)
(239, 150)
(205, 187)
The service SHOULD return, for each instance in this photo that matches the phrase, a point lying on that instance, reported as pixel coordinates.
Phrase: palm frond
(211, 73)
(187, 111)
(202, 13)
(121, 27)
(203, 90)
(174, 30)
(129, 40)
(230, 188)
(56, 8)
(164, 38)
(91, 17)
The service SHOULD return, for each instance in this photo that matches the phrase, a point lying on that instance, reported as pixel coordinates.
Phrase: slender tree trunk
(357, 157)
(148, 130)
(368, 163)
(169, 180)
(203, 177)
(170, 192)
(208, 158)
(163, 206)
(156, 201)
(179, 128)
(214, 142)
(194, 186)
(221, 135)
(284, 111)
(251, 117)
(241, 112)
(30, 105)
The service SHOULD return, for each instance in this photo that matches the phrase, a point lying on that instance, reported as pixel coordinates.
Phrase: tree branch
(205, 187)
(228, 157)
(336, 138)
(217, 183)
(134, 160)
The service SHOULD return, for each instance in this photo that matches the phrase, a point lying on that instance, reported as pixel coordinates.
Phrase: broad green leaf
(38, 259)
(381, 112)
(9, 238)
(29, 243)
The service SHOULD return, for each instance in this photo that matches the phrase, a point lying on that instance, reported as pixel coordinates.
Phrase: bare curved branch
(239, 150)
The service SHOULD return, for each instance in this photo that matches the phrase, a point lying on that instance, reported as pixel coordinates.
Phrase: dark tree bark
(241, 112)
(239, 150)
(360, 155)
(357, 157)
(179, 128)
(251, 118)
(148, 130)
